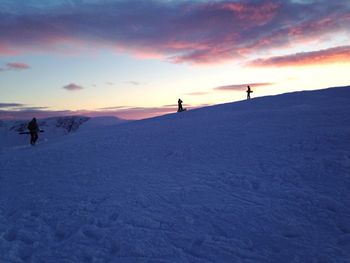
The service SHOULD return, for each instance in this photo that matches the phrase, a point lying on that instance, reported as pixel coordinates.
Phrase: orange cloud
(326, 56)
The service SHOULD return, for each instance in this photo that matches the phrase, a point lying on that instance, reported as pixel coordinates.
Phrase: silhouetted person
(179, 103)
(248, 92)
(33, 128)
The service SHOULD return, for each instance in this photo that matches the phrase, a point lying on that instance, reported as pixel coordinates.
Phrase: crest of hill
(235, 115)
(318, 100)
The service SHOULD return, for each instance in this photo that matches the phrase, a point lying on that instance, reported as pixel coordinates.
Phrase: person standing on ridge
(179, 103)
(248, 92)
(33, 128)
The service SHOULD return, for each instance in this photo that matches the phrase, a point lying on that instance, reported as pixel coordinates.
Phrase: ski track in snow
(260, 181)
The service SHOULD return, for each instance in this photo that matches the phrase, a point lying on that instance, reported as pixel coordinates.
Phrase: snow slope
(101, 122)
(259, 181)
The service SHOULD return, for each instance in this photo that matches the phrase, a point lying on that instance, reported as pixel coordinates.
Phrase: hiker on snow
(248, 92)
(179, 103)
(33, 128)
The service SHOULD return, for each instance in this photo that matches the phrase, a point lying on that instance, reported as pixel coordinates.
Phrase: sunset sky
(134, 59)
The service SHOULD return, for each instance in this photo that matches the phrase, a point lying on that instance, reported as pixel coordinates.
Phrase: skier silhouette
(179, 103)
(248, 92)
(33, 128)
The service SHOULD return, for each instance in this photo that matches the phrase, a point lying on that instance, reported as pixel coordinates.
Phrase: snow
(103, 121)
(259, 181)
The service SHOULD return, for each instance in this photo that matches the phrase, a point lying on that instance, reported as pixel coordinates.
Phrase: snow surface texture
(263, 181)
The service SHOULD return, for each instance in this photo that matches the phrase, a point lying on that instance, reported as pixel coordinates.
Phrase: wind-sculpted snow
(259, 181)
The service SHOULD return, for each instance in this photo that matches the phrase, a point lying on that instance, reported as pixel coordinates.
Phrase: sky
(134, 59)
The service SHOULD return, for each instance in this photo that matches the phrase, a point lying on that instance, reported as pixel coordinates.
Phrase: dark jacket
(33, 126)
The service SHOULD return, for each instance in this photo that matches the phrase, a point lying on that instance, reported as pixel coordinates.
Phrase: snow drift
(264, 180)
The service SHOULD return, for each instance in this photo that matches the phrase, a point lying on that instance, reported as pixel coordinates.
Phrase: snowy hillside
(259, 181)
(53, 128)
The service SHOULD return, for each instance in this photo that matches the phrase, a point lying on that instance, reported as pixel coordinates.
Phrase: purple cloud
(10, 105)
(33, 108)
(72, 87)
(180, 31)
(22, 111)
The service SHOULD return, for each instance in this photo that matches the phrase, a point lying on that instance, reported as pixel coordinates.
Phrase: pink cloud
(326, 56)
(17, 66)
(5, 50)
(259, 13)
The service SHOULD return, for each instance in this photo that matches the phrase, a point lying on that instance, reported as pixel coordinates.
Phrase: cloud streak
(15, 66)
(72, 87)
(179, 31)
(326, 56)
(240, 87)
(10, 105)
